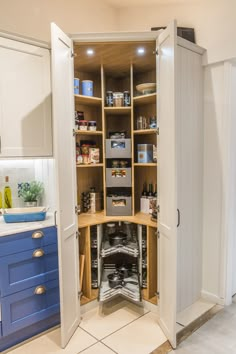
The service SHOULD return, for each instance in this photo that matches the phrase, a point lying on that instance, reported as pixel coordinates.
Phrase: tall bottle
(144, 192)
(7, 194)
(155, 191)
(150, 191)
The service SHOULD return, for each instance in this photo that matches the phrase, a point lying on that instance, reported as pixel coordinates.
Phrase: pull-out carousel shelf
(128, 290)
(131, 248)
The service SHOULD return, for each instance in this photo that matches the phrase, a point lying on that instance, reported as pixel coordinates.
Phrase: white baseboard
(212, 298)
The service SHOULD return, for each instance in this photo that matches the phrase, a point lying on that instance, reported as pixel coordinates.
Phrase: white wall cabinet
(25, 100)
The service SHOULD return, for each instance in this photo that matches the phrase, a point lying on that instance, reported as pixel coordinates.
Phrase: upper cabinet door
(64, 148)
(167, 217)
(25, 100)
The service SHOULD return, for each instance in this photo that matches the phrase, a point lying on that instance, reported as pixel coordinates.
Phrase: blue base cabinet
(29, 285)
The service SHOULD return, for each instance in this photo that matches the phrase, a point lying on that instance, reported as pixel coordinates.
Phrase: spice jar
(109, 98)
(92, 125)
(118, 99)
(126, 98)
(83, 124)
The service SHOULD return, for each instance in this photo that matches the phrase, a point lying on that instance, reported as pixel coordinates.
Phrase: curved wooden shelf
(91, 165)
(145, 99)
(88, 100)
(145, 131)
(150, 164)
(117, 110)
(86, 219)
(88, 132)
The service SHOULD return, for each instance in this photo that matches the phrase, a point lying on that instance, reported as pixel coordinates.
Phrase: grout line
(180, 324)
(109, 347)
(90, 334)
(124, 326)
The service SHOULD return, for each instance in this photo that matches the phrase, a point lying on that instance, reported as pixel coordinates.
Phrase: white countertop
(14, 228)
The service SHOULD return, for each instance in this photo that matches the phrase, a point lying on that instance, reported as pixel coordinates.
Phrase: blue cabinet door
(29, 306)
(12, 244)
(26, 269)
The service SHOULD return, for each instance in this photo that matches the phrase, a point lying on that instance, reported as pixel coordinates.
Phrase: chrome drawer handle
(37, 234)
(39, 290)
(38, 253)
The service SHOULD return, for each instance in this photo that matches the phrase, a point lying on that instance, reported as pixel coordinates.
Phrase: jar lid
(87, 81)
(111, 225)
(92, 121)
(83, 121)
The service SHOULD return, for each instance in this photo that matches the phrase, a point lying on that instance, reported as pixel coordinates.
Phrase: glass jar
(118, 99)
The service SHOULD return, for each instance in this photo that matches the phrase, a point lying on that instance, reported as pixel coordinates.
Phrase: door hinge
(73, 132)
(158, 208)
(79, 294)
(157, 52)
(73, 54)
(77, 234)
(158, 234)
(158, 294)
(77, 209)
(158, 131)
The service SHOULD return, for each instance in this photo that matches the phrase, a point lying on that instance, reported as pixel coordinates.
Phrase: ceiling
(129, 3)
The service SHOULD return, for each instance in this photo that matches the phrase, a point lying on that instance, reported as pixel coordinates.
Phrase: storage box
(147, 204)
(145, 153)
(119, 206)
(118, 148)
(118, 177)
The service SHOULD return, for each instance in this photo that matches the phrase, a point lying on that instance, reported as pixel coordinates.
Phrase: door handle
(178, 217)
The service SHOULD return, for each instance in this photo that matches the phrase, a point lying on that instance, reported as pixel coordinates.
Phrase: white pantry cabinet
(25, 100)
(180, 160)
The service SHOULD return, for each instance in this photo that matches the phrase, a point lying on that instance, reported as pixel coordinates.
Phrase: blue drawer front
(25, 308)
(21, 271)
(12, 244)
(0, 329)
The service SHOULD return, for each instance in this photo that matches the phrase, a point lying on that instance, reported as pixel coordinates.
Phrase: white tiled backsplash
(20, 171)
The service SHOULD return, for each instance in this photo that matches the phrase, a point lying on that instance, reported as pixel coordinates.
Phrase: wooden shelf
(86, 219)
(145, 99)
(88, 100)
(88, 132)
(145, 131)
(94, 295)
(117, 110)
(150, 164)
(91, 165)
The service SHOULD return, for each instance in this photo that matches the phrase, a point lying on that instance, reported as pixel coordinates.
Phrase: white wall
(213, 20)
(32, 17)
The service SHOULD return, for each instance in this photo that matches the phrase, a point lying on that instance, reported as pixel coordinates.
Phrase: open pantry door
(167, 194)
(64, 152)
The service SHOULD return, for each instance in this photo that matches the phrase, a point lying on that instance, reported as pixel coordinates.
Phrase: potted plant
(30, 192)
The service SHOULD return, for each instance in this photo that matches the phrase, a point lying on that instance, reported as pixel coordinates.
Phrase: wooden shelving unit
(116, 76)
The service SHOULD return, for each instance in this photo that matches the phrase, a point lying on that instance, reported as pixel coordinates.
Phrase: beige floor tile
(140, 337)
(193, 312)
(110, 317)
(49, 343)
(98, 348)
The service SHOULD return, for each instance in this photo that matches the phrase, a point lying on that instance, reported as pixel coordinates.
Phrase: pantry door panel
(167, 217)
(64, 148)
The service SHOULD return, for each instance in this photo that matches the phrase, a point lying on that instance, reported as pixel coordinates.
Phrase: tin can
(109, 99)
(94, 155)
(126, 98)
(76, 86)
(87, 88)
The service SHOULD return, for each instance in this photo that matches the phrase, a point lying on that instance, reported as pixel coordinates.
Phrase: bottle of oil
(7, 202)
